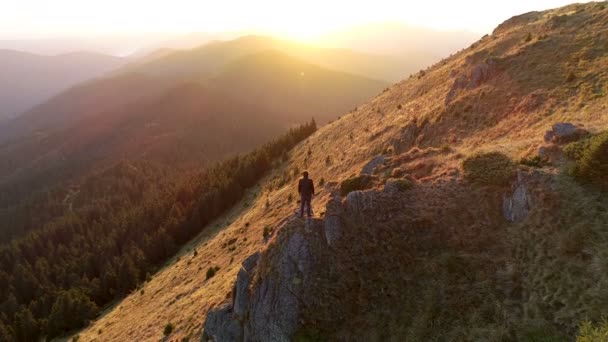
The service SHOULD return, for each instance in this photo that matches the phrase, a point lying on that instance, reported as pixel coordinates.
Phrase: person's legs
(308, 205)
(302, 204)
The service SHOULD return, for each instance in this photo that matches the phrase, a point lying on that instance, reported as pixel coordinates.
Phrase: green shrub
(491, 168)
(590, 333)
(576, 150)
(168, 329)
(211, 272)
(322, 182)
(535, 161)
(591, 160)
(540, 334)
(267, 231)
(402, 184)
(360, 182)
(308, 335)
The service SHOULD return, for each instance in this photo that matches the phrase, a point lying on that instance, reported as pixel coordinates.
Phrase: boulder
(516, 205)
(369, 168)
(564, 132)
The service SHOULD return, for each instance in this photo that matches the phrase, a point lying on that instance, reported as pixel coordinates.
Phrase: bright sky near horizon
(304, 19)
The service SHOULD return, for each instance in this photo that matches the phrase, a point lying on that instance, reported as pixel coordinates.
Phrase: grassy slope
(509, 112)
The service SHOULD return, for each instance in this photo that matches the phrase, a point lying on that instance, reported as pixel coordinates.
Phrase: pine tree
(26, 327)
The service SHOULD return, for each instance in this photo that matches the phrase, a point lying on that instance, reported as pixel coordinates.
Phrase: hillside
(28, 79)
(425, 253)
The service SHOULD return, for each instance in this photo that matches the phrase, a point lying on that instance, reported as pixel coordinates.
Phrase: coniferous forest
(88, 246)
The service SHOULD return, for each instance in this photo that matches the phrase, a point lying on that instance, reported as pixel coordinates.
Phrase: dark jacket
(306, 188)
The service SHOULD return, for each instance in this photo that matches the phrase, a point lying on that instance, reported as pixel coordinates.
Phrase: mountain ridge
(501, 94)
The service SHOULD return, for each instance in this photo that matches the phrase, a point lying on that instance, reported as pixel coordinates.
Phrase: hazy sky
(302, 19)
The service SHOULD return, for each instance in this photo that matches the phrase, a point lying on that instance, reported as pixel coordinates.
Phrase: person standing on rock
(306, 189)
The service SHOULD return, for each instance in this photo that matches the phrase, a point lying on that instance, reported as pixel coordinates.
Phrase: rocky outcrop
(266, 303)
(517, 204)
(274, 304)
(369, 168)
(478, 74)
(241, 288)
(358, 202)
(564, 132)
(481, 73)
(267, 311)
(406, 139)
(221, 325)
(333, 213)
(396, 185)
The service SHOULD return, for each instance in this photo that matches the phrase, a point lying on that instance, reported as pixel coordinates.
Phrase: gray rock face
(478, 75)
(369, 168)
(407, 138)
(564, 132)
(240, 293)
(269, 310)
(359, 201)
(481, 73)
(333, 229)
(251, 261)
(516, 206)
(274, 303)
(564, 129)
(221, 326)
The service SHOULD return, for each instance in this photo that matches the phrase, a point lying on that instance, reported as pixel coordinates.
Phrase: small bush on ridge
(493, 168)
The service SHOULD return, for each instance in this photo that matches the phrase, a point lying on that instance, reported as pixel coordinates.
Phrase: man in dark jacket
(306, 189)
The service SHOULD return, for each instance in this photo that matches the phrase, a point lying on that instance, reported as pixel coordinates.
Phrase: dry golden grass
(529, 90)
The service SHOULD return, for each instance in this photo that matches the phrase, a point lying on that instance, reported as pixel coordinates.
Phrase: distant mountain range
(205, 60)
(398, 39)
(27, 79)
(184, 108)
